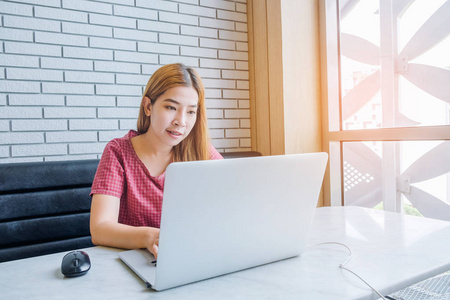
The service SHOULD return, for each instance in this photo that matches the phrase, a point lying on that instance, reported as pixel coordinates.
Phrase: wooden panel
(259, 72)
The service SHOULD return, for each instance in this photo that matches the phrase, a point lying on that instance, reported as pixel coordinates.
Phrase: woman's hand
(152, 241)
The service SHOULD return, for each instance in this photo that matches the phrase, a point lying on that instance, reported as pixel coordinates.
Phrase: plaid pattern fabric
(123, 175)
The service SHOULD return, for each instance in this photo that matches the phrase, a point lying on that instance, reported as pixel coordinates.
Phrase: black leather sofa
(45, 206)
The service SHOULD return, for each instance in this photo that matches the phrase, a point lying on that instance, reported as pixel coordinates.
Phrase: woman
(128, 187)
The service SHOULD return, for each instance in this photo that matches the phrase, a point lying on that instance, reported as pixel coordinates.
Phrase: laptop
(223, 216)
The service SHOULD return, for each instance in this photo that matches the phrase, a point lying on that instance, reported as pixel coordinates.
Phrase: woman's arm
(107, 231)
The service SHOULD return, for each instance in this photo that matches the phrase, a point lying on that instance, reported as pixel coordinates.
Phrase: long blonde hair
(196, 145)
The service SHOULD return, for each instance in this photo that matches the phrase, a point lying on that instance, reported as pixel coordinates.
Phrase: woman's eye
(170, 107)
(192, 112)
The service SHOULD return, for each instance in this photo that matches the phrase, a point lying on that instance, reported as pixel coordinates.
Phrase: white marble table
(390, 251)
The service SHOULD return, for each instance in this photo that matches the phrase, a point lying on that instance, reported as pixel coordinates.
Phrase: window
(387, 126)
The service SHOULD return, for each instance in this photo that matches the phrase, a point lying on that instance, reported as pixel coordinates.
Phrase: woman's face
(173, 114)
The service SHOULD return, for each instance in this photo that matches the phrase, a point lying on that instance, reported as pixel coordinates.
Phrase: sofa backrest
(45, 206)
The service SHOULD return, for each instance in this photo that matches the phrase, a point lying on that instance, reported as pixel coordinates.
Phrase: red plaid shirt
(123, 175)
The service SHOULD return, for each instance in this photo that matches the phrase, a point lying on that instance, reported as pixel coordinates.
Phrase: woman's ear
(147, 106)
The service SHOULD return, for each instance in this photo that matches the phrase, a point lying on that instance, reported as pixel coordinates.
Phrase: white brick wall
(72, 72)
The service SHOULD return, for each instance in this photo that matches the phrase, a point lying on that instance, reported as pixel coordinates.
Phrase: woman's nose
(180, 120)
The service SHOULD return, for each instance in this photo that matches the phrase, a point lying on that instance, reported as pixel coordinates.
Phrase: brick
(11, 112)
(216, 63)
(19, 60)
(122, 2)
(214, 23)
(242, 85)
(115, 44)
(241, 7)
(129, 101)
(245, 123)
(92, 77)
(34, 74)
(77, 52)
(212, 103)
(32, 49)
(214, 113)
(88, 6)
(197, 10)
(225, 143)
(123, 90)
(60, 14)
(236, 94)
(237, 133)
(232, 16)
(219, 83)
(80, 100)
(85, 148)
(117, 67)
(199, 31)
(54, 3)
(12, 86)
(92, 124)
(217, 44)
(4, 151)
(118, 113)
(216, 133)
(188, 61)
(213, 93)
(127, 124)
(71, 157)
(198, 52)
(10, 34)
(229, 74)
(233, 35)
(178, 39)
(61, 39)
(67, 88)
(208, 73)
(158, 5)
(136, 57)
(135, 35)
(245, 143)
(150, 69)
(21, 159)
(218, 4)
(31, 23)
(10, 138)
(158, 26)
(93, 30)
(106, 136)
(158, 48)
(4, 125)
(240, 46)
(2, 99)
(114, 21)
(70, 136)
(241, 27)
(241, 65)
(237, 113)
(135, 12)
(244, 103)
(38, 125)
(178, 18)
(38, 150)
(36, 99)
(15, 9)
(132, 79)
(69, 112)
(233, 55)
(66, 63)
(223, 123)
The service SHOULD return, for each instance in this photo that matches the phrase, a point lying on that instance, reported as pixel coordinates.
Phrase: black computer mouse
(75, 263)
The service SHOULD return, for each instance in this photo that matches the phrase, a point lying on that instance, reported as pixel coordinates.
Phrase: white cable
(342, 266)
